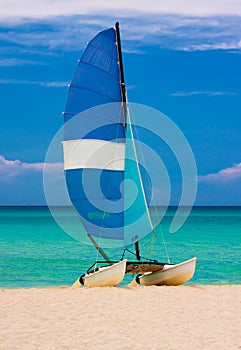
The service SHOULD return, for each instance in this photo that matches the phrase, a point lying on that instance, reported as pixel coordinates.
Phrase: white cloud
(58, 84)
(224, 175)
(41, 9)
(167, 31)
(215, 45)
(12, 168)
(210, 93)
(9, 62)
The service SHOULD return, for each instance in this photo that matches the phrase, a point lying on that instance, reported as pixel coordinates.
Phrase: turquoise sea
(36, 252)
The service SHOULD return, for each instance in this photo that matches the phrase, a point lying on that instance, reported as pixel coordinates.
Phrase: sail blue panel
(98, 199)
(102, 43)
(75, 130)
(91, 84)
(97, 77)
(94, 111)
(106, 119)
(106, 133)
(82, 99)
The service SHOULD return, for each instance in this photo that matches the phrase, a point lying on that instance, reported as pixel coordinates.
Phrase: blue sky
(182, 60)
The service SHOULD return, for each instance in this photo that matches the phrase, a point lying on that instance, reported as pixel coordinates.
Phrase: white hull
(170, 275)
(108, 276)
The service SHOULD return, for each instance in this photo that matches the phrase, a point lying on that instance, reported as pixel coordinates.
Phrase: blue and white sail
(97, 155)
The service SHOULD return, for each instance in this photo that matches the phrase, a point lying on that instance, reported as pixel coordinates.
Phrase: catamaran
(100, 155)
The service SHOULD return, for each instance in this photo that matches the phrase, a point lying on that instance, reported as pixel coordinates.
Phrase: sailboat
(99, 156)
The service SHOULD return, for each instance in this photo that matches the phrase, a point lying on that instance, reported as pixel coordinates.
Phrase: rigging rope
(139, 172)
(151, 246)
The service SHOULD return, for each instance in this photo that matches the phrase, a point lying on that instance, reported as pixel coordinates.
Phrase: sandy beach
(184, 317)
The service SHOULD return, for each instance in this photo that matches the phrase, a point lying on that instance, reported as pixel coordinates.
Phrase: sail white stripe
(95, 154)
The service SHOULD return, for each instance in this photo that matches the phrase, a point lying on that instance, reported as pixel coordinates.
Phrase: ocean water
(36, 252)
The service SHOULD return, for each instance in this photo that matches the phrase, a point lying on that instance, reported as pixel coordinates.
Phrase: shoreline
(118, 286)
(183, 317)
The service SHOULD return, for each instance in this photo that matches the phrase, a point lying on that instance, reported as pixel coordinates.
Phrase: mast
(124, 100)
(137, 250)
(122, 79)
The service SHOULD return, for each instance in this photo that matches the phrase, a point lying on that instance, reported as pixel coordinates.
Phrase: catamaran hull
(108, 276)
(170, 275)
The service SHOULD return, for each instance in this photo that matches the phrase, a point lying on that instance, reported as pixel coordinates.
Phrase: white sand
(185, 317)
